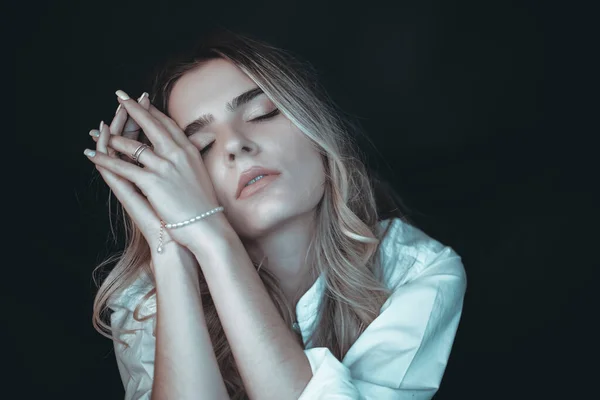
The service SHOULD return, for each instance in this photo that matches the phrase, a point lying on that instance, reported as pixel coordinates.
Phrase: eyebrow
(233, 105)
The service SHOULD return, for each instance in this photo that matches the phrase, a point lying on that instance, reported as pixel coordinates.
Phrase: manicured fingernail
(118, 108)
(101, 125)
(122, 95)
(142, 97)
(94, 133)
(89, 153)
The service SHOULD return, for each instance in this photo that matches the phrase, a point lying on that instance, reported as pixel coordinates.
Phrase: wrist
(209, 234)
(174, 257)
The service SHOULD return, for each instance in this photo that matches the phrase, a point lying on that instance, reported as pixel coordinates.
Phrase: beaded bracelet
(183, 223)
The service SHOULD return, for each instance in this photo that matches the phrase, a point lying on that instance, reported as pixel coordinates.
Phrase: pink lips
(250, 174)
(248, 191)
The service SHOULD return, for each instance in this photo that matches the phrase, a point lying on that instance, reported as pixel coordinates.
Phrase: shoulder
(406, 252)
(131, 295)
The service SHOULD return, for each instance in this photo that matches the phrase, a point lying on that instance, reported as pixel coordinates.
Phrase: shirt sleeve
(403, 353)
(136, 362)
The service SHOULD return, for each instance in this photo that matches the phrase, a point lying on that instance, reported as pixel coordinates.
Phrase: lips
(259, 185)
(250, 174)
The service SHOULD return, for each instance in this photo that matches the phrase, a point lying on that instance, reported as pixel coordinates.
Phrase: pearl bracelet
(183, 223)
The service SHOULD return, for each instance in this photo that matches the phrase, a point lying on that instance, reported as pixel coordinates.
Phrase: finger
(119, 120)
(102, 143)
(128, 147)
(95, 134)
(126, 126)
(117, 166)
(153, 129)
(136, 205)
(132, 129)
(103, 135)
(122, 124)
(175, 131)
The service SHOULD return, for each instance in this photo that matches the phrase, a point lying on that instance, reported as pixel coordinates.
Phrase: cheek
(308, 163)
(295, 146)
(306, 155)
(219, 180)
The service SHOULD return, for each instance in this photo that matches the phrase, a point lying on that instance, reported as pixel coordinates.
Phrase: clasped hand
(172, 178)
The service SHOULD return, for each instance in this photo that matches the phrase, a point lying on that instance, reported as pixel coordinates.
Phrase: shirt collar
(307, 306)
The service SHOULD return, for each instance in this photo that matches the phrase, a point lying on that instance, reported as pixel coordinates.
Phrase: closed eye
(266, 116)
(257, 119)
(205, 148)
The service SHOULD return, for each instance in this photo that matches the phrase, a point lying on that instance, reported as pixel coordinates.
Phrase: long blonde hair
(344, 249)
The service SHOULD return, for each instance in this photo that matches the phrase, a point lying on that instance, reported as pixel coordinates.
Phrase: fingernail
(142, 97)
(101, 125)
(122, 95)
(118, 108)
(89, 153)
(94, 133)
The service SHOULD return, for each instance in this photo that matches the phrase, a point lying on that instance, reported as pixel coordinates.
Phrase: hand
(173, 181)
(133, 201)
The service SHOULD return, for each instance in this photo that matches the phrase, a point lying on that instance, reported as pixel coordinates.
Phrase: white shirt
(401, 355)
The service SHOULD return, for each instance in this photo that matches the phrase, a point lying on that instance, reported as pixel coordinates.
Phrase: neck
(284, 251)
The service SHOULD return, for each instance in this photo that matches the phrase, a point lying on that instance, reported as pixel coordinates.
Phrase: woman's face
(239, 141)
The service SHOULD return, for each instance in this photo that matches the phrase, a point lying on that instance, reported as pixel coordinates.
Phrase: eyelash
(257, 120)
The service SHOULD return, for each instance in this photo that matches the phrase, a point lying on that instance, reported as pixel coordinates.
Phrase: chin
(267, 221)
(257, 223)
(268, 214)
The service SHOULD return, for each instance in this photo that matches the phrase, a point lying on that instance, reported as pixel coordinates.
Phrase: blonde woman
(288, 281)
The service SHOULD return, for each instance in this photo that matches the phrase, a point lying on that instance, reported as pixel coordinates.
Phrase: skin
(278, 221)
(175, 179)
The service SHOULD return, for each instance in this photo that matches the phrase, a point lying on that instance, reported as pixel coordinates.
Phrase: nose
(237, 143)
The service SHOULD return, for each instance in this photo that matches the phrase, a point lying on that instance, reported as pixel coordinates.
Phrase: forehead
(206, 89)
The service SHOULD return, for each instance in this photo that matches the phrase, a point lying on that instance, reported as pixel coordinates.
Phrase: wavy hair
(344, 248)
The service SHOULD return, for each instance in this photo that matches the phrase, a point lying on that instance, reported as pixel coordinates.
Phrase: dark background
(479, 114)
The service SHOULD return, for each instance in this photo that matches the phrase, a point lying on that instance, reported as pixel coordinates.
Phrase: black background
(479, 113)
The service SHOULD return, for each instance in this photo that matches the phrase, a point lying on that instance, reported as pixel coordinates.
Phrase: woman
(288, 280)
